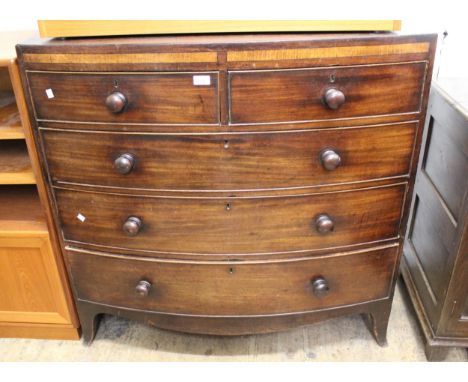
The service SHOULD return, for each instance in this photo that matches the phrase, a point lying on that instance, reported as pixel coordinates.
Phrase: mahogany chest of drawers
(230, 184)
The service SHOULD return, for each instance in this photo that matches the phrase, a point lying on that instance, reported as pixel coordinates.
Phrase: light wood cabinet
(35, 301)
(32, 299)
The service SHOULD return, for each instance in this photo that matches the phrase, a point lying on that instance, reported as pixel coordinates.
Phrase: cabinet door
(455, 314)
(30, 287)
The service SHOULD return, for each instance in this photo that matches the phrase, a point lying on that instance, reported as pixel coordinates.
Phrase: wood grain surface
(234, 289)
(231, 225)
(229, 161)
(297, 95)
(262, 51)
(151, 97)
(231, 171)
(327, 52)
(15, 166)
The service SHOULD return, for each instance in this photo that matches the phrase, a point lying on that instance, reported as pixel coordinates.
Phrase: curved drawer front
(229, 162)
(159, 98)
(240, 289)
(231, 226)
(301, 94)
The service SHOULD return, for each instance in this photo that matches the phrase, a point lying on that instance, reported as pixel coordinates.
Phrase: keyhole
(332, 78)
(228, 206)
(226, 144)
(116, 83)
(231, 270)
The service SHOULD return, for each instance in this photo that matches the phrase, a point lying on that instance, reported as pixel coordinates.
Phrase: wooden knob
(124, 163)
(330, 159)
(334, 98)
(143, 287)
(132, 226)
(324, 224)
(320, 286)
(116, 102)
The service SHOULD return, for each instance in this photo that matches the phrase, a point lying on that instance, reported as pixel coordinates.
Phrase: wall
(452, 52)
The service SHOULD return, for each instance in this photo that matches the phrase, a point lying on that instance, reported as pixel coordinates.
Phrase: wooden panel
(28, 290)
(234, 289)
(231, 225)
(15, 167)
(161, 58)
(164, 98)
(454, 320)
(326, 52)
(432, 238)
(74, 28)
(446, 154)
(297, 95)
(229, 162)
(23, 276)
(40, 331)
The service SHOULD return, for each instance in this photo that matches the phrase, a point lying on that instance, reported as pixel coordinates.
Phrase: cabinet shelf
(10, 123)
(15, 166)
(21, 210)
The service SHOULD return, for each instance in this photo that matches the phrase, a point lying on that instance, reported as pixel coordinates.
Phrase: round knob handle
(116, 102)
(334, 98)
(330, 159)
(143, 287)
(124, 163)
(324, 224)
(132, 226)
(320, 286)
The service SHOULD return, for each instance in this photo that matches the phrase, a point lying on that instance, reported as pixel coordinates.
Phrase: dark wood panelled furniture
(435, 266)
(230, 184)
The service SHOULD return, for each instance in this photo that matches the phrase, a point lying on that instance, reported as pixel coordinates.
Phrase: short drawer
(229, 162)
(231, 225)
(297, 285)
(154, 98)
(296, 95)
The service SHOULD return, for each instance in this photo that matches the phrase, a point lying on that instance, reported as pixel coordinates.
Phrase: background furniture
(230, 184)
(34, 294)
(435, 266)
(82, 28)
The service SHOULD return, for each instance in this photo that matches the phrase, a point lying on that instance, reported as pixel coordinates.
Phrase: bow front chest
(230, 184)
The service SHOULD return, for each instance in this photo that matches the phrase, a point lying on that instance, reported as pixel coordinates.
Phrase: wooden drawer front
(229, 162)
(158, 98)
(297, 95)
(240, 289)
(242, 225)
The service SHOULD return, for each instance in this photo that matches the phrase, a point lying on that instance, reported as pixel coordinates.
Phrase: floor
(343, 339)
